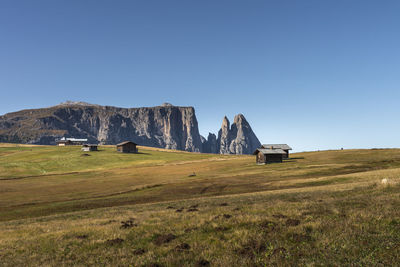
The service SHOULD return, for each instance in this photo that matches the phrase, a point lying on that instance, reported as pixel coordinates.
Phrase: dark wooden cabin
(264, 156)
(127, 147)
(284, 147)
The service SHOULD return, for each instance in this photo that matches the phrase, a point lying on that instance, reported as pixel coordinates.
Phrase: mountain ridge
(164, 126)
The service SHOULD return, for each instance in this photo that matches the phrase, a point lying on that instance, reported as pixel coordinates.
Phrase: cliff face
(164, 126)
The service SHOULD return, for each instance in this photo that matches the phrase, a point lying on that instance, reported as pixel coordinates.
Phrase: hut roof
(126, 142)
(277, 146)
(266, 151)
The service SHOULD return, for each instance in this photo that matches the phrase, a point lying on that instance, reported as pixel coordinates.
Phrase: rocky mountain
(237, 138)
(165, 126)
(210, 144)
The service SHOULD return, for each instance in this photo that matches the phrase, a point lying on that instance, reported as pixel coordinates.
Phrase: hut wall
(272, 158)
(127, 148)
(286, 156)
(260, 158)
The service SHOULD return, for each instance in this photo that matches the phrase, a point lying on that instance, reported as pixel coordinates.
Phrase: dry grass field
(60, 207)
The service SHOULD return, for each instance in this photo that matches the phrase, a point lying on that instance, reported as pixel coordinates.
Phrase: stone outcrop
(238, 138)
(165, 126)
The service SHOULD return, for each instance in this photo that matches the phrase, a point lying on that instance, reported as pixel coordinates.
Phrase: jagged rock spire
(224, 137)
(239, 138)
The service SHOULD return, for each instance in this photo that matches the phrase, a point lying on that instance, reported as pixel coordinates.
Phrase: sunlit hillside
(62, 206)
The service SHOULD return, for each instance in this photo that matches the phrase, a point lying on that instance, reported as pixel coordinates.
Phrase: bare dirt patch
(139, 251)
(251, 248)
(128, 224)
(182, 247)
(113, 242)
(163, 239)
(82, 236)
(268, 226)
(279, 216)
(188, 230)
(202, 262)
(221, 228)
(202, 191)
(224, 216)
(192, 209)
(292, 222)
(154, 264)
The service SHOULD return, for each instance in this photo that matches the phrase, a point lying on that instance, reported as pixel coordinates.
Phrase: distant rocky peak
(239, 118)
(241, 122)
(225, 123)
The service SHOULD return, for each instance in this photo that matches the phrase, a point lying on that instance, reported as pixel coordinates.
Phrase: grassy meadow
(59, 206)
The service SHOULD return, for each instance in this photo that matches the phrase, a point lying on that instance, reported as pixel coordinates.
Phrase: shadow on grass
(142, 153)
(102, 150)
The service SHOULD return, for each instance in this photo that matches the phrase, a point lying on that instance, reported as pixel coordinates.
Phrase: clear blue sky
(313, 74)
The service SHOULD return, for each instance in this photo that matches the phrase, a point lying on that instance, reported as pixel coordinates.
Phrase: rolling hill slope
(318, 208)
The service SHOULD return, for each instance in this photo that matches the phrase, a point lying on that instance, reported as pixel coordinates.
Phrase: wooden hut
(70, 141)
(264, 156)
(63, 142)
(127, 147)
(284, 147)
(88, 147)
